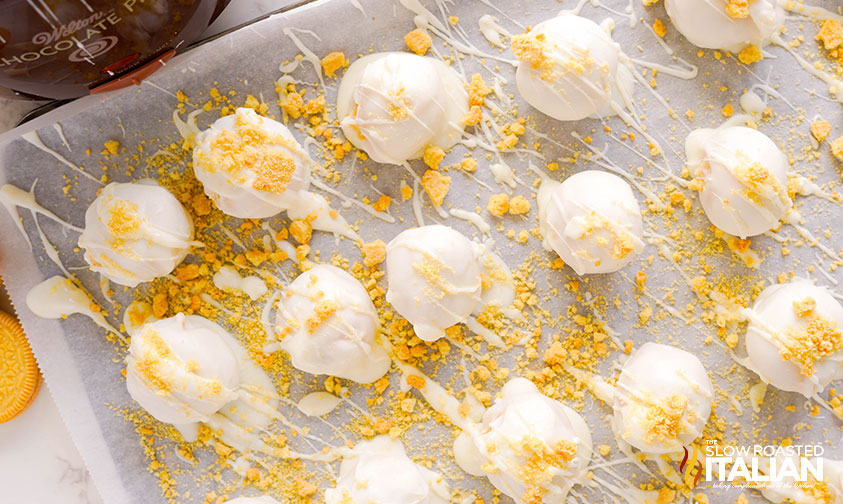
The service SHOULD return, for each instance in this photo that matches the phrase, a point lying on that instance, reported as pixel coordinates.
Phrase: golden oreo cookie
(19, 375)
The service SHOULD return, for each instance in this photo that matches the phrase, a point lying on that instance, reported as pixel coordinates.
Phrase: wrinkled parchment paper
(83, 370)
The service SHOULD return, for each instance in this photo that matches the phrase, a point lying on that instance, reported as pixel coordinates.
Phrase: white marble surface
(38, 461)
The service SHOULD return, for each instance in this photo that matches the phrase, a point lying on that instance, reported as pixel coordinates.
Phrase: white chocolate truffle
(592, 220)
(434, 278)
(721, 24)
(393, 105)
(794, 340)
(743, 176)
(328, 324)
(662, 399)
(135, 232)
(531, 447)
(263, 499)
(568, 68)
(182, 369)
(251, 166)
(378, 471)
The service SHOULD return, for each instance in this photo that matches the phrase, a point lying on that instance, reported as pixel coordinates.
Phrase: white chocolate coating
(592, 220)
(378, 471)
(662, 400)
(135, 232)
(745, 178)
(778, 347)
(706, 23)
(536, 445)
(434, 278)
(577, 74)
(182, 369)
(251, 166)
(328, 325)
(393, 105)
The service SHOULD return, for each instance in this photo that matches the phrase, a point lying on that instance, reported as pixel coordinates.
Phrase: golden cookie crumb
(498, 205)
(315, 106)
(418, 41)
(112, 146)
(533, 495)
(382, 204)
(160, 304)
(507, 142)
(374, 253)
(664, 419)
(837, 148)
(406, 192)
(201, 204)
(415, 381)
(301, 231)
(738, 9)
(527, 48)
(305, 488)
(665, 496)
(292, 104)
(477, 90)
(831, 34)
(468, 164)
(700, 498)
(804, 306)
(659, 28)
(436, 186)
(433, 155)
(123, 218)
(750, 55)
(519, 205)
(321, 312)
(820, 130)
(819, 339)
(473, 116)
(333, 62)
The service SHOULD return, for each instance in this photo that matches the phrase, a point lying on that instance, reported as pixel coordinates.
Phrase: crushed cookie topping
(250, 149)
(664, 419)
(148, 365)
(738, 9)
(321, 312)
(477, 90)
(543, 461)
(528, 48)
(758, 180)
(804, 306)
(533, 50)
(819, 339)
(123, 218)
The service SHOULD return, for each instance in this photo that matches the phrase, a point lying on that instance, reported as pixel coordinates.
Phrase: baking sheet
(83, 370)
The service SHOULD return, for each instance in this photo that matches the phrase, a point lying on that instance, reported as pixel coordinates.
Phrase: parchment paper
(83, 370)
